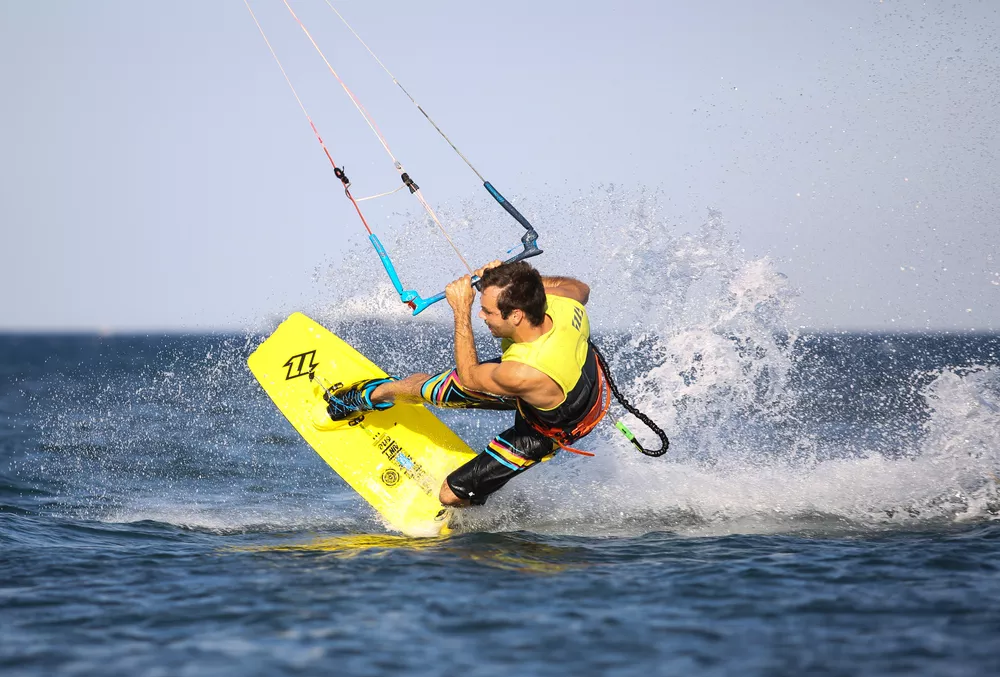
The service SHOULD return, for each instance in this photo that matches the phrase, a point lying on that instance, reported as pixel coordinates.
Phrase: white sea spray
(698, 336)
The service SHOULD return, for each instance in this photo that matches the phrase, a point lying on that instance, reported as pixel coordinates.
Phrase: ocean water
(829, 505)
(157, 517)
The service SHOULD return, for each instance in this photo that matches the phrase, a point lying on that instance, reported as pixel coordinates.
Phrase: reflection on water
(503, 552)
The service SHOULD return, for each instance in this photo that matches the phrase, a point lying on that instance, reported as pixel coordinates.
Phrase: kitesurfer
(548, 373)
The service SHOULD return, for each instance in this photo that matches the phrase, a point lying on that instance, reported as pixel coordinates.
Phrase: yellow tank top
(559, 353)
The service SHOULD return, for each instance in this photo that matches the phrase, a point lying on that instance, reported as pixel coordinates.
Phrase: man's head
(513, 294)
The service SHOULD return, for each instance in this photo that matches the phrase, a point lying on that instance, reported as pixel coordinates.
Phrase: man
(548, 373)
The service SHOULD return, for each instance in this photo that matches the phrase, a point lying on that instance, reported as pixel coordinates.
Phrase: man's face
(490, 314)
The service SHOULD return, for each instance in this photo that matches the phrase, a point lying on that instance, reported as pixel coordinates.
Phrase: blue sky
(157, 174)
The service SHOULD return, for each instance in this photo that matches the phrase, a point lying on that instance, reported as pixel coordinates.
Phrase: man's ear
(516, 316)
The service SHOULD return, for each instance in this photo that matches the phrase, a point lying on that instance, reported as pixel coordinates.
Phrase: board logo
(390, 477)
(405, 466)
(302, 364)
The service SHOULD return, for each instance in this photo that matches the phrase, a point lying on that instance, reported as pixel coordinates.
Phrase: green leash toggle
(620, 424)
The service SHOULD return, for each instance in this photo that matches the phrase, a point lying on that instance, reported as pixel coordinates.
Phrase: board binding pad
(396, 458)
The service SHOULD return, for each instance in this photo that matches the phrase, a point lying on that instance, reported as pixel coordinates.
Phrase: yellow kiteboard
(396, 458)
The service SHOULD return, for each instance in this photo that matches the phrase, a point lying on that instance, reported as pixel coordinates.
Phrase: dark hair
(521, 288)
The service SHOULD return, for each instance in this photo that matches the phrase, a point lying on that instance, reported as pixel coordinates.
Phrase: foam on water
(951, 477)
(698, 337)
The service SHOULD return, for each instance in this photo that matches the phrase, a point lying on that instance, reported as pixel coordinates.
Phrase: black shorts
(510, 453)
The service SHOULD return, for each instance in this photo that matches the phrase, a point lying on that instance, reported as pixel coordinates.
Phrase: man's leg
(494, 467)
(450, 499)
(510, 453)
(405, 390)
(441, 390)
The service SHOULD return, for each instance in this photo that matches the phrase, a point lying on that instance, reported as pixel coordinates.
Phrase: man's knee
(412, 384)
(450, 498)
(404, 390)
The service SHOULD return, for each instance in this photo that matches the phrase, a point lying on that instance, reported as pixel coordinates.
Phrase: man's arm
(568, 287)
(466, 359)
(507, 379)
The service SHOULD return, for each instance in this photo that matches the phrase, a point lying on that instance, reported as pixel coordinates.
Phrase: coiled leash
(665, 443)
(606, 388)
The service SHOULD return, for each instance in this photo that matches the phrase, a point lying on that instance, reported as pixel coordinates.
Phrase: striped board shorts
(508, 454)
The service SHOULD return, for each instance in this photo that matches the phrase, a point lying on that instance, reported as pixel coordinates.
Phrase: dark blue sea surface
(829, 507)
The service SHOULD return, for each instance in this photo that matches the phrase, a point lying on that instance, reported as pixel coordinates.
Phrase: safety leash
(665, 443)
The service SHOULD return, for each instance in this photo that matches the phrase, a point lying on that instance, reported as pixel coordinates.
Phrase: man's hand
(460, 295)
(491, 264)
